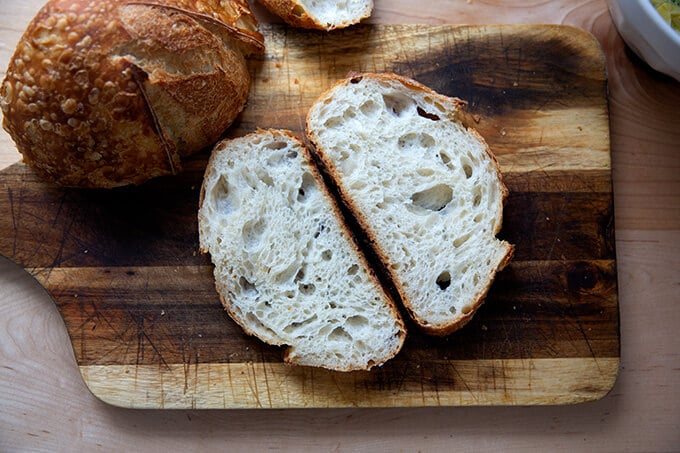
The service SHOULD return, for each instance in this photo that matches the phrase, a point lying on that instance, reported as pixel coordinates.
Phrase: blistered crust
(110, 93)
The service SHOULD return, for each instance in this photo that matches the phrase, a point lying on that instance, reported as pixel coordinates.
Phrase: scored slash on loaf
(109, 93)
(394, 203)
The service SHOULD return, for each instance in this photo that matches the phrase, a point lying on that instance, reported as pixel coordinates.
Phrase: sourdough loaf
(108, 93)
(286, 267)
(426, 191)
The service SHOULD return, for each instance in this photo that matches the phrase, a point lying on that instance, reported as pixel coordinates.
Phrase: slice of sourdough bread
(320, 14)
(426, 191)
(286, 268)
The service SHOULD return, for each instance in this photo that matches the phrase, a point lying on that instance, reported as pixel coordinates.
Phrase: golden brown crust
(109, 93)
(231, 19)
(294, 14)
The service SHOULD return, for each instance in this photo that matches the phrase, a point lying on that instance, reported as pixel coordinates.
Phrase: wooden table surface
(45, 406)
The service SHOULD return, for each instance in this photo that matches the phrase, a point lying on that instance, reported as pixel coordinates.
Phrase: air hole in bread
(306, 187)
(252, 233)
(437, 105)
(355, 79)
(397, 103)
(461, 240)
(356, 322)
(251, 319)
(264, 177)
(349, 113)
(444, 280)
(425, 114)
(221, 194)
(467, 168)
(415, 140)
(425, 172)
(353, 269)
(285, 275)
(339, 334)
(247, 288)
(307, 288)
(477, 200)
(293, 326)
(332, 123)
(434, 199)
(276, 145)
(445, 158)
(292, 155)
(478, 218)
(466, 309)
(369, 107)
(319, 230)
(327, 255)
(299, 276)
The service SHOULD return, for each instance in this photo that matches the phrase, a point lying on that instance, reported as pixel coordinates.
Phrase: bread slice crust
(308, 288)
(429, 105)
(298, 13)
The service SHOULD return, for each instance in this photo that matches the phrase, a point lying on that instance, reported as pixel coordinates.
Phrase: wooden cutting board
(138, 299)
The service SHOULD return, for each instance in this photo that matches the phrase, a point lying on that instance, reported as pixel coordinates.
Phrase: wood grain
(138, 299)
(266, 384)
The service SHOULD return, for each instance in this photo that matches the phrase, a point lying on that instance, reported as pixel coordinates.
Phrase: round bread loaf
(109, 93)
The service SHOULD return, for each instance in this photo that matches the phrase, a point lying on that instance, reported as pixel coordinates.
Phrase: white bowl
(647, 34)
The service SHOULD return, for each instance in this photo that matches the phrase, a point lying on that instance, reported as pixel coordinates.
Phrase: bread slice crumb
(426, 191)
(286, 268)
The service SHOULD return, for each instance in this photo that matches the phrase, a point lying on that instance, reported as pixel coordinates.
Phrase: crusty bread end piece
(286, 268)
(426, 190)
(320, 14)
